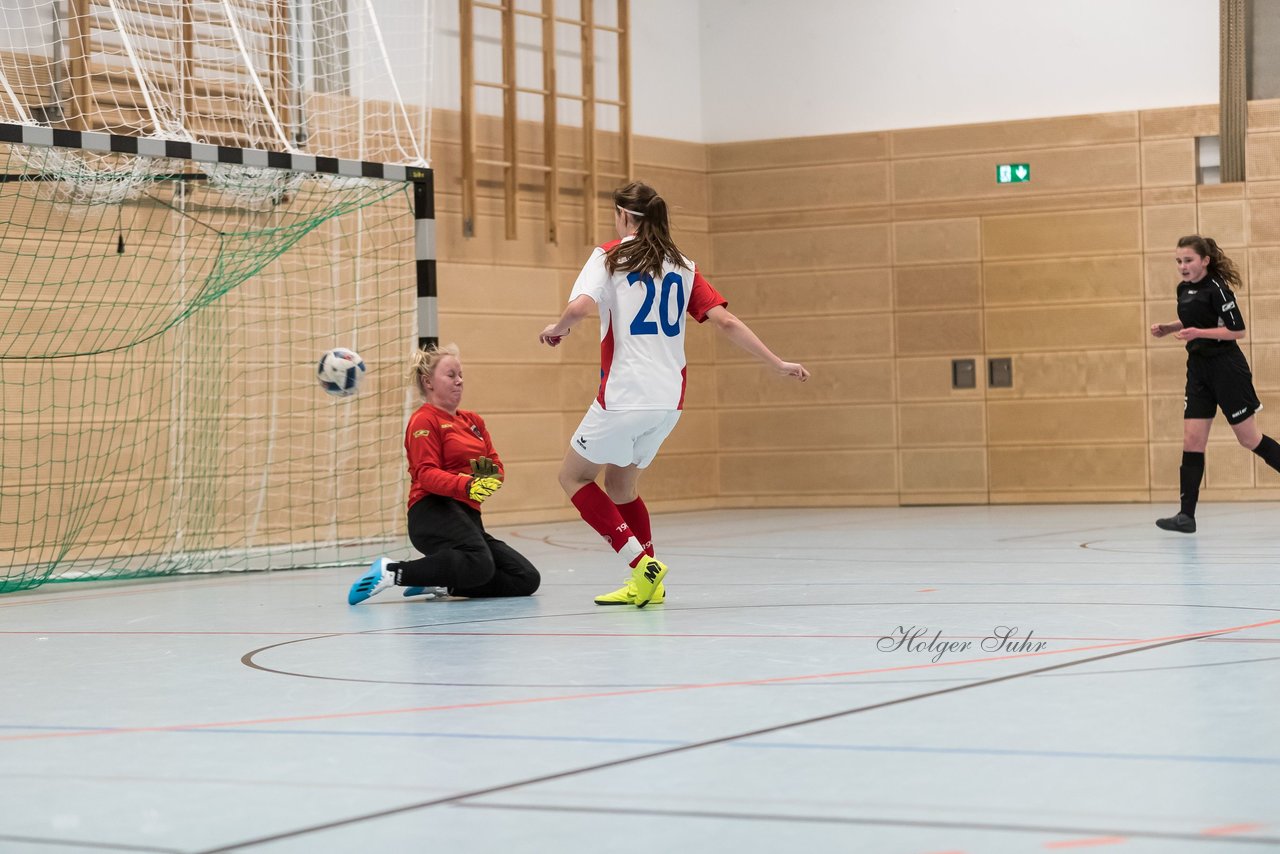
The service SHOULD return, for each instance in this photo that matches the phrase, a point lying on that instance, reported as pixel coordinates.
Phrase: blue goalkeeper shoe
(429, 592)
(375, 579)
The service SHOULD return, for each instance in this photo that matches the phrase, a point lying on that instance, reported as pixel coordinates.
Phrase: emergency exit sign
(1013, 173)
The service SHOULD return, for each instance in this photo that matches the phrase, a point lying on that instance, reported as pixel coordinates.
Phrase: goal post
(163, 307)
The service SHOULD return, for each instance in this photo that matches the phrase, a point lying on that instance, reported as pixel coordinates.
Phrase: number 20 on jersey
(641, 324)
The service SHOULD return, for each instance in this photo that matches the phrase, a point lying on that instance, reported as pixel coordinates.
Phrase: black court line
(81, 844)
(669, 751)
(886, 822)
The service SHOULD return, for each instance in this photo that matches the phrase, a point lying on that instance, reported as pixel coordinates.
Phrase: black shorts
(1223, 382)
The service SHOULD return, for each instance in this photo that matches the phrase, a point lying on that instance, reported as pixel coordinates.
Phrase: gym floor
(922, 680)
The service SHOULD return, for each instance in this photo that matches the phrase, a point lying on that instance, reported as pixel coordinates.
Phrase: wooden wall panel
(1163, 225)
(1019, 330)
(775, 153)
(935, 471)
(786, 251)
(1161, 276)
(937, 332)
(1079, 373)
(695, 433)
(808, 294)
(1166, 368)
(1265, 362)
(815, 428)
(1090, 470)
(1095, 279)
(940, 286)
(1053, 170)
(1186, 122)
(846, 472)
(1075, 233)
(1026, 134)
(817, 338)
(1262, 156)
(1226, 222)
(1264, 271)
(930, 378)
(879, 258)
(1229, 469)
(1169, 162)
(850, 380)
(1066, 422)
(824, 186)
(937, 241)
(1264, 222)
(935, 424)
(1263, 324)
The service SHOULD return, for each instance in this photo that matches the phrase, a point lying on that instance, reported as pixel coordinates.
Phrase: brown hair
(652, 244)
(1219, 263)
(422, 364)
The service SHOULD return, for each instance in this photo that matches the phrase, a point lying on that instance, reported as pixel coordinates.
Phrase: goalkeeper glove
(485, 467)
(482, 487)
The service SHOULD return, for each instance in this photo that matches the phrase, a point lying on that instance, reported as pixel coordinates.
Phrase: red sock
(637, 518)
(602, 515)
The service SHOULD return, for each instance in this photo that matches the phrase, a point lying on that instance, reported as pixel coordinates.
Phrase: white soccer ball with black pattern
(339, 372)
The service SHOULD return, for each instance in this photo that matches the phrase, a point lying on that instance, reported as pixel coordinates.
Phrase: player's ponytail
(652, 245)
(422, 364)
(1219, 264)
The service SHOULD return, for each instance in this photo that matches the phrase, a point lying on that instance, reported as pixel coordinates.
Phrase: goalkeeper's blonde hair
(423, 363)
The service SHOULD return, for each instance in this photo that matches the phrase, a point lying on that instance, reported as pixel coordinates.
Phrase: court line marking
(774, 680)
(1204, 759)
(876, 822)
(79, 843)
(558, 775)
(305, 635)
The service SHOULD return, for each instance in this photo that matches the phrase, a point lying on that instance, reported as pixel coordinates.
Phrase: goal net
(195, 204)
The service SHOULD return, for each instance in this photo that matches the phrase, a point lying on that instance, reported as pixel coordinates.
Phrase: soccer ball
(339, 371)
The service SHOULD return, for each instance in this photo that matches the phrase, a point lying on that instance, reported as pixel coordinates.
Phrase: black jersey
(1209, 304)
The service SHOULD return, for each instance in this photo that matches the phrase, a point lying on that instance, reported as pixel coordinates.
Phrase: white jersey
(642, 329)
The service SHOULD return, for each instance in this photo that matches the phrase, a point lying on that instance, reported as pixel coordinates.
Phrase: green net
(158, 400)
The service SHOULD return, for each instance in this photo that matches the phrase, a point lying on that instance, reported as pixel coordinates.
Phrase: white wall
(666, 71)
(667, 80)
(728, 70)
(776, 69)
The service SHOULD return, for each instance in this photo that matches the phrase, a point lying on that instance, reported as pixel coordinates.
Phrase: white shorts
(628, 437)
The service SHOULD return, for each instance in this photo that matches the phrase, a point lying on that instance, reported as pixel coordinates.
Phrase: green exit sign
(1013, 173)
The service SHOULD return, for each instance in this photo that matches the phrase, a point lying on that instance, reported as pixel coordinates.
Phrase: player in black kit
(1218, 375)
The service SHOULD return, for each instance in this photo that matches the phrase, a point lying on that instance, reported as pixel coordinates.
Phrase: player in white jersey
(643, 288)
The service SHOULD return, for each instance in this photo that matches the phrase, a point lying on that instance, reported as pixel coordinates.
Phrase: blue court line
(750, 745)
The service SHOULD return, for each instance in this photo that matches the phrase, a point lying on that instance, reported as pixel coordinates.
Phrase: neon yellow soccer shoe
(626, 595)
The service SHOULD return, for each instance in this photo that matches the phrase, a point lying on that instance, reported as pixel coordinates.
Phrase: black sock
(433, 571)
(1190, 475)
(1269, 450)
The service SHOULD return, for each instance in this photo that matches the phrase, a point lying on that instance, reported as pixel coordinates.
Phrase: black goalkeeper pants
(459, 555)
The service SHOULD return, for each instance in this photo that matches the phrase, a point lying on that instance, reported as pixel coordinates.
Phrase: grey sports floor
(1071, 677)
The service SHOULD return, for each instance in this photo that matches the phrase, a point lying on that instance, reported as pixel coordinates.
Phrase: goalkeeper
(454, 468)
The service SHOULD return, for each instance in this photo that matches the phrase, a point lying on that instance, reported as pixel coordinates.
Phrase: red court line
(1231, 829)
(664, 689)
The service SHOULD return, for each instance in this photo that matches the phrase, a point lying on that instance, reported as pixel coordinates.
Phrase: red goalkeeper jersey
(440, 448)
